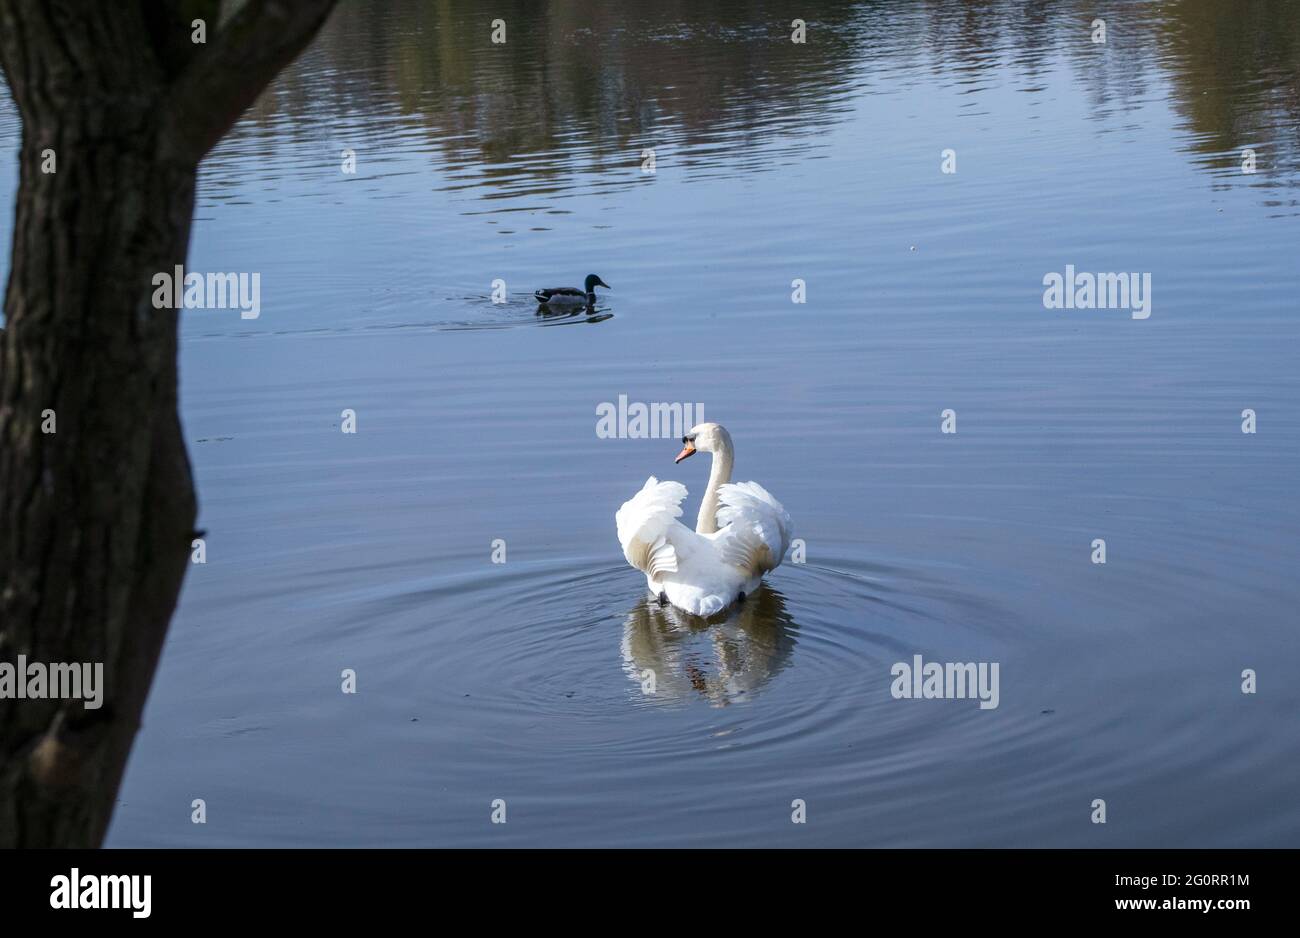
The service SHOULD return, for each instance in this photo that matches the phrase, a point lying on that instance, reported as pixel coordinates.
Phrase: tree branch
(169, 27)
(226, 77)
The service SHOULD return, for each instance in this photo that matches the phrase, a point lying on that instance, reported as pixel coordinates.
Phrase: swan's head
(704, 438)
(593, 281)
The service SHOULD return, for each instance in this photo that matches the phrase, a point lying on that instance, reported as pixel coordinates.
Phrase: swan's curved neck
(719, 475)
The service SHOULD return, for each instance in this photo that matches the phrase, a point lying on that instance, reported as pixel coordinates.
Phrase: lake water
(476, 423)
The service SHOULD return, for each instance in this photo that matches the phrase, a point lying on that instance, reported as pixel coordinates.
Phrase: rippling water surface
(476, 422)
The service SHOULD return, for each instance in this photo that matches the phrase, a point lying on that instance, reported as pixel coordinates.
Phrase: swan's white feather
(643, 522)
(703, 573)
(754, 528)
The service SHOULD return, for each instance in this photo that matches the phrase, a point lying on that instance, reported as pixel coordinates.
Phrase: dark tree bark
(96, 518)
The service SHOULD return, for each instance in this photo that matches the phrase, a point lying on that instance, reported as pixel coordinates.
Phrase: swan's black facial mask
(687, 450)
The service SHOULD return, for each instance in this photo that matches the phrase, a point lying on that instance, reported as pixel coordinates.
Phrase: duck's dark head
(593, 281)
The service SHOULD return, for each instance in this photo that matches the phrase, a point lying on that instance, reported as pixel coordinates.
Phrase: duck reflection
(562, 316)
(725, 659)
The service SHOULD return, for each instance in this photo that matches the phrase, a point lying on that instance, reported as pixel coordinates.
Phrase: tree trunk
(97, 504)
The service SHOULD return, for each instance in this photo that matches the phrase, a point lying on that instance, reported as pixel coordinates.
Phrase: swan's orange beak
(687, 450)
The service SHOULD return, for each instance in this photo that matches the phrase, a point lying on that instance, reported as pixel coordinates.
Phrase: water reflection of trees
(1236, 75)
(1233, 69)
(584, 84)
(577, 80)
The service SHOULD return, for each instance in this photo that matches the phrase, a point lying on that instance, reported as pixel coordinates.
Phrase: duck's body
(564, 296)
(571, 296)
(741, 533)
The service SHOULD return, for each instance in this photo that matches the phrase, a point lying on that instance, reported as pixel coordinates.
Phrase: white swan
(741, 533)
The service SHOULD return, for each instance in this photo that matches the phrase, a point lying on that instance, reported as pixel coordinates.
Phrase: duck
(571, 296)
(741, 532)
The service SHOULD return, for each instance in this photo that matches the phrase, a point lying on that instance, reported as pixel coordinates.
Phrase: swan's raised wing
(643, 525)
(754, 529)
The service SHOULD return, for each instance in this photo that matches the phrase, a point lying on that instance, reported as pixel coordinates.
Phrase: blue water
(476, 422)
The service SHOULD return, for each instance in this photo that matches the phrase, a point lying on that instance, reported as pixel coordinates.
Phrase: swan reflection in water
(727, 658)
